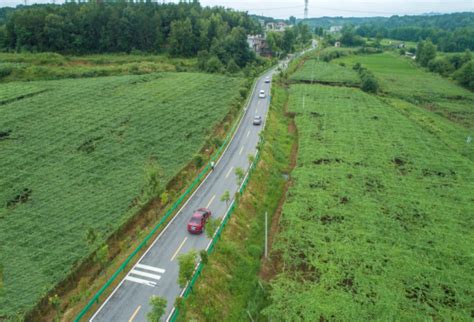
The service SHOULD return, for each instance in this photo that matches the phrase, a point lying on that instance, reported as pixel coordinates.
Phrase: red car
(198, 220)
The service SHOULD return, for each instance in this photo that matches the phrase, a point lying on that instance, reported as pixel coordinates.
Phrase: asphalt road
(156, 273)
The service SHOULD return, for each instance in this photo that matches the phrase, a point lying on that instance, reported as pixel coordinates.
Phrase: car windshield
(195, 220)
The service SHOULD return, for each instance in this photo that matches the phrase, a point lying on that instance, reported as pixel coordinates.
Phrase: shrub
(465, 75)
(214, 65)
(5, 70)
(186, 267)
(232, 67)
(198, 160)
(369, 82)
(158, 307)
(441, 65)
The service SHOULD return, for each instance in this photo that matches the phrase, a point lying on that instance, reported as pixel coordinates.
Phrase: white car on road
(262, 94)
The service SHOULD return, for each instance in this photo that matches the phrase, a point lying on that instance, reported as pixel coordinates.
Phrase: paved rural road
(157, 271)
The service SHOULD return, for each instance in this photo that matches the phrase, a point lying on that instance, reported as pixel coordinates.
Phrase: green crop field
(400, 78)
(323, 72)
(378, 224)
(79, 156)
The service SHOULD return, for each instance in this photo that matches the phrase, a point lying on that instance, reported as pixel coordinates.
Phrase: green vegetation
(376, 225)
(451, 32)
(158, 307)
(229, 287)
(187, 263)
(48, 66)
(399, 78)
(81, 158)
(323, 72)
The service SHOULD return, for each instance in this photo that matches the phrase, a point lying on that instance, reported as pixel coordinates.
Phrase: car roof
(198, 215)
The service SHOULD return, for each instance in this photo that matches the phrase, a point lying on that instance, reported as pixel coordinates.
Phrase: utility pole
(306, 9)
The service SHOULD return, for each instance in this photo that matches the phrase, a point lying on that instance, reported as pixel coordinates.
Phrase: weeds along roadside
(71, 295)
(229, 288)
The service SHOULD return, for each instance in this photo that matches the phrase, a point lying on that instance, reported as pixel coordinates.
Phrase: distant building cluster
(258, 43)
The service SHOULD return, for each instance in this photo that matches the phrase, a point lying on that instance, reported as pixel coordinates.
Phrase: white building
(335, 29)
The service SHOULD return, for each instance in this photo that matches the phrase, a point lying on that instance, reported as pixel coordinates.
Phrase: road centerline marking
(135, 314)
(179, 248)
(210, 201)
(228, 173)
(248, 133)
(241, 150)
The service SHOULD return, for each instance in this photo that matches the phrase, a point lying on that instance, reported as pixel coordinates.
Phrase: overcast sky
(318, 8)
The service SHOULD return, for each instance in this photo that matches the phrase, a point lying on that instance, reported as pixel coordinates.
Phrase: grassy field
(377, 225)
(48, 66)
(399, 78)
(323, 72)
(82, 156)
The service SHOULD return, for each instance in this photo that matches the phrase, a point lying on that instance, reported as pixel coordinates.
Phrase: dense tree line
(448, 41)
(450, 32)
(448, 22)
(183, 30)
(459, 66)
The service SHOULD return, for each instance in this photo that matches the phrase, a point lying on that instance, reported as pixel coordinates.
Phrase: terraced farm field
(399, 78)
(80, 157)
(323, 72)
(378, 224)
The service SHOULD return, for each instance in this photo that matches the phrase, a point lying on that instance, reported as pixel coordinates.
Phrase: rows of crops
(77, 157)
(378, 224)
(398, 77)
(322, 72)
(12, 91)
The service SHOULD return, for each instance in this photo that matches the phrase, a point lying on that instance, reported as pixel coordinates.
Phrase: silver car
(262, 94)
(257, 120)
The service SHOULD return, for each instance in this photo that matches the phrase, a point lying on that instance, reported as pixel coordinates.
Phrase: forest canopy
(181, 30)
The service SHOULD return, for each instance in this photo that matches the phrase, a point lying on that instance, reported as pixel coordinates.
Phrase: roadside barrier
(96, 298)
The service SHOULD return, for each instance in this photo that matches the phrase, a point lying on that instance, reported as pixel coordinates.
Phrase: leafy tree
(465, 75)
(289, 39)
(187, 263)
(425, 52)
(182, 40)
(158, 307)
(240, 174)
(226, 197)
